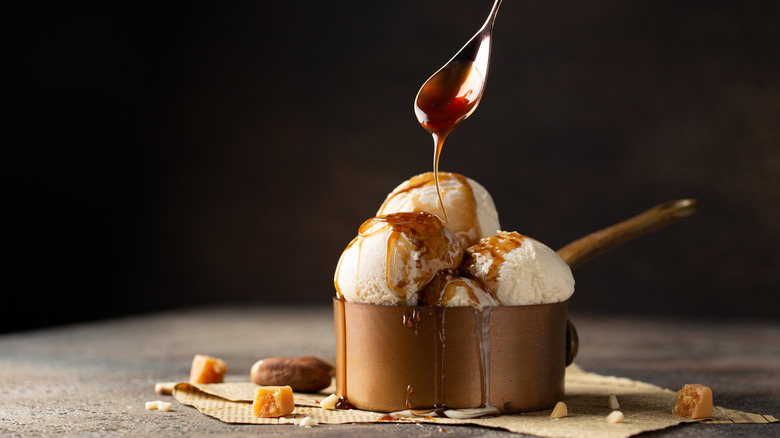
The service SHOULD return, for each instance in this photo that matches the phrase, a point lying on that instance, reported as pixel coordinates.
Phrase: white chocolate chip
(152, 405)
(329, 402)
(163, 406)
(164, 388)
(560, 410)
(612, 403)
(615, 417)
(308, 422)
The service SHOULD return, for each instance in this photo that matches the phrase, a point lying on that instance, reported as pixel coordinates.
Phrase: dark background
(161, 154)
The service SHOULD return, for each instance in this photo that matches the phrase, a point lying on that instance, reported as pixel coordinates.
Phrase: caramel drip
(344, 403)
(438, 144)
(444, 101)
(411, 318)
(482, 320)
(409, 391)
(341, 379)
(440, 350)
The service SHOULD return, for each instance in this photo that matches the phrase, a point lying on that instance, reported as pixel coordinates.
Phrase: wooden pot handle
(585, 248)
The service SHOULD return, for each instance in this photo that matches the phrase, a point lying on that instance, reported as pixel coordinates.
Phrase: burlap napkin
(645, 407)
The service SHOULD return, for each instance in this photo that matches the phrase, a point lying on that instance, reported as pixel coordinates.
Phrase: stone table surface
(92, 379)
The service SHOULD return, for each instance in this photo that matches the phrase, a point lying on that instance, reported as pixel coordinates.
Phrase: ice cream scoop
(394, 257)
(451, 290)
(519, 270)
(471, 213)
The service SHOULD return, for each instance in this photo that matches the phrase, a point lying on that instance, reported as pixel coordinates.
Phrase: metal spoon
(454, 91)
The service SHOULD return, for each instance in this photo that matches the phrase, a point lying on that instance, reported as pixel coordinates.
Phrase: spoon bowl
(454, 91)
(451, 94)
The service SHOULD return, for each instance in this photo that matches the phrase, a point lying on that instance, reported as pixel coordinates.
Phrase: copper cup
(391, 358)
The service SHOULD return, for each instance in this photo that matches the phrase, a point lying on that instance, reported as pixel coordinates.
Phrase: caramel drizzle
(419, 231)
(412, 319)
(440, 350)
(467, 227)
(438, 144)
(409, 391)
(493, 248)
(482, 319)
(341, 379)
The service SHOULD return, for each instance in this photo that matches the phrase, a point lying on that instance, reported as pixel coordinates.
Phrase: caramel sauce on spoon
(449, 96)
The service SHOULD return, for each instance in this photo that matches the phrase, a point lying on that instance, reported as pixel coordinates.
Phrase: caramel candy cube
(273, 401)
(207, 369)
(694, 401)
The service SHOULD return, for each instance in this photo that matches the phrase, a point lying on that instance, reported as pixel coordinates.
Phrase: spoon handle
(585, 248)
(492, 16)
(472, 49)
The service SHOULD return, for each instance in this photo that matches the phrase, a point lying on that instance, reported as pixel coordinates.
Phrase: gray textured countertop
(92, 379)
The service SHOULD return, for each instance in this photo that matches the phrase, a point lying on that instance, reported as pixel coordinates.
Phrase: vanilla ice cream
(471, 213)
(394, 257)
(519, 270)
(451, 290)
